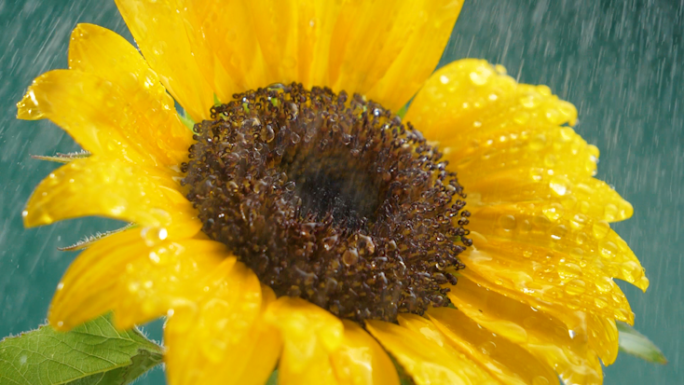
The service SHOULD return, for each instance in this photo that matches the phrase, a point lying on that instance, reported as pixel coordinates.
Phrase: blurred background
(619, 61)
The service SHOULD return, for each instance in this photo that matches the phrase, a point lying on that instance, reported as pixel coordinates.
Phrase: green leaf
(634, 343)
(93, 353)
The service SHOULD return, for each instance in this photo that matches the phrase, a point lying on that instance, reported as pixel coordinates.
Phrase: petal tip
(27, 107)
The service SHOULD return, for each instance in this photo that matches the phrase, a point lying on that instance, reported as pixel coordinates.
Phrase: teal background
(620, 62)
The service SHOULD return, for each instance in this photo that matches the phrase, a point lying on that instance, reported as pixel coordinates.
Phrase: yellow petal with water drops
(158, 130)
(425, 360)
(603, 338)
(565, 298)
(181, 60)
(580, 238)
(109, 188)
(309, 335)
(547, 275)
(544, 336)
(360, 360)
(139, 274)
(296, 40)
(588, 196)
(225, 27)
(469, 372)
(429, 23)
(504, 360)
(522, 151)
(471, 97)
(222, 338)
(94, 111)
(363, 30)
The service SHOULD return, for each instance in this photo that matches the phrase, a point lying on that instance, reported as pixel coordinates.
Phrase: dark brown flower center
(329, 198)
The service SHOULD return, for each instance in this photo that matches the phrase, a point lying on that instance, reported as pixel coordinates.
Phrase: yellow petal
(559, 297)
(603, 337)
(417, 38)
(225, 26)
(487, 124)
(222, 338)
(588, 196)
(295, 41)
(505, 360)
(554, 226)
(110, 188)
(473, 98)
(547, 275)
(425, 360)
(181, 60)
(107, 55)
(94, 111)
(384, 50)
(469, 371)
(360, 360)
(525, 152)
(136, 275)
(543, 336)
(309, 335)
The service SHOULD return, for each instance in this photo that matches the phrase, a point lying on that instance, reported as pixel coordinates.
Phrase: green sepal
(187, 120)
(636, 344)
(62, 158)
(92, 353)
(402, 111)
(85, 243)
(273, 380)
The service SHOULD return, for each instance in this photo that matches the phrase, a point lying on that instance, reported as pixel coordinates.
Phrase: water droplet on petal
(507, 222)
(600, 229)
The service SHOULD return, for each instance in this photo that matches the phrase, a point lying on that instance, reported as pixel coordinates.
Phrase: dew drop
(553, 211)
(575, 287)
(537, 143)
(529, 101)
(600, 229)
(569, 271)
(537, 174)
(267, 133)
(153, 235)
(610, 212)
(480, 76)
(559, 185)
(578, 221)
(521, 117)
(608, 249)
(487, 348)
(600, 303)
(350, 257)
(604, 284)
(133, 286)
(507, 222)
(558, 232)
(553, 115)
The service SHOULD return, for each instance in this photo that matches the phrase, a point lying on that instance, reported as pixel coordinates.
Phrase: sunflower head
(330, 198)
(303, 224)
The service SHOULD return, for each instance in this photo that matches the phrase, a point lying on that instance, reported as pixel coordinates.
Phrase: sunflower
(302, 224)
